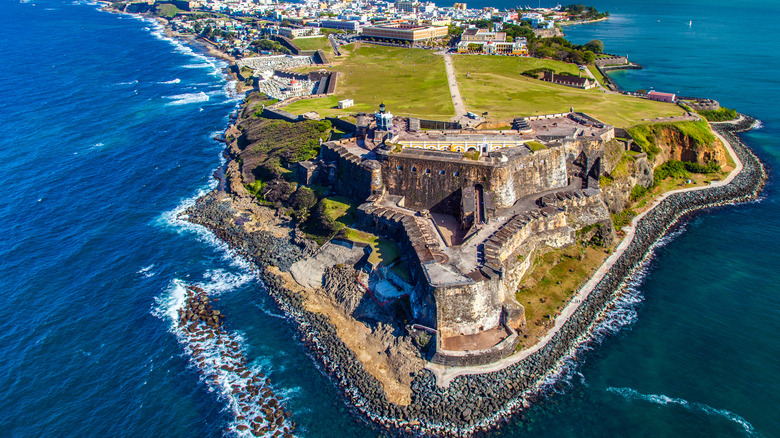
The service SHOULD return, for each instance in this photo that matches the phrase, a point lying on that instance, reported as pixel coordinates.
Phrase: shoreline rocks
(256, 410)
(471, 403)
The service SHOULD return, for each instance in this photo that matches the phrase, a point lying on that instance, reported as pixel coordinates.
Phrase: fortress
(471, 209)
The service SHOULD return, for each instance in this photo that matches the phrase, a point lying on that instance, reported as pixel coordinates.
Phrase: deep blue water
(107, 133)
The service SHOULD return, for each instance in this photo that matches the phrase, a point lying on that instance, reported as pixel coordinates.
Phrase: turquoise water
(107, 134)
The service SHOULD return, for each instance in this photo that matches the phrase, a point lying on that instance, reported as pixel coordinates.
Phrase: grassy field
(597, 74)
(495, 84)
(314, 43)
(552, 281)
(408, 81)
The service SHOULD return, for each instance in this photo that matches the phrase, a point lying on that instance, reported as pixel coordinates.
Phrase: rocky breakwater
(216, 353)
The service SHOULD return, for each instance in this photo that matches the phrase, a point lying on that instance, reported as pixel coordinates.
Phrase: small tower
(384, 120)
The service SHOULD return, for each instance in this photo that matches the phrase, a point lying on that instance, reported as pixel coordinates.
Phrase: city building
(488, 42)
(350, 25)
(405, 32)
(482, 35)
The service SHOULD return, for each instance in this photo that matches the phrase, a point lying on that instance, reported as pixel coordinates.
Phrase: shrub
(637, 192)
(720, 115)
(623, 218)
(670, 169)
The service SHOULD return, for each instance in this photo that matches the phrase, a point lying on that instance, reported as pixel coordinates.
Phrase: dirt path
(457, 100)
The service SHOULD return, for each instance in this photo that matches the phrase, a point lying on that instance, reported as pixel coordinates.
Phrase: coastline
(437, 409)
(573, 23)
(360, 389)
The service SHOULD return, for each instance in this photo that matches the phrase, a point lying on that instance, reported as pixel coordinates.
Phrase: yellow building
(517, 48)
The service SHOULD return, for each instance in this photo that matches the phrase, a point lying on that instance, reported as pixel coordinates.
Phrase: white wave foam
(171, 219)
(220, 281)
(172, 81)
(758, 124)
(167, 305)
(183, 99)
(146, 271)
(199, 65)
(664, 400)
(133, 82)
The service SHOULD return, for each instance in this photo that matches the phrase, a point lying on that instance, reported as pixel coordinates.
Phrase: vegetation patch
(269, 144)
(646, 135)
(720, 115)
(168, 10)
(683, 170)
(552, 281)
(623, 218)
(534, 146)
(313, 43)
(384, 251)
(408, 81)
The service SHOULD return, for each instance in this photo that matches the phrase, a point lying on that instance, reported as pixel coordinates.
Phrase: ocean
(108, 134)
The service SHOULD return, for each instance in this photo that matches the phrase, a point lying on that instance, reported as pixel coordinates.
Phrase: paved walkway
(457, 101)
(444, 375)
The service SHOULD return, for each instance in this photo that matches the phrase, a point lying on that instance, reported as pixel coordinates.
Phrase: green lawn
(169, 11)
(385, 251)
(495, 84)
(597, 74)
(314, 43)
(341, 209)
(407, 81)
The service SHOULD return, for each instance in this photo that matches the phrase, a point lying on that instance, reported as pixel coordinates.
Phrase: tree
(483, 24)
(588, 57)
(320, 222)
(303, 200)
(595, 46)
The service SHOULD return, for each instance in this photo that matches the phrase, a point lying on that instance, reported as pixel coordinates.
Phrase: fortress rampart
(428, 180)
(510, 199)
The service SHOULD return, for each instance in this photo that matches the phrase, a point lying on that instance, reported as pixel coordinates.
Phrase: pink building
(661, 97)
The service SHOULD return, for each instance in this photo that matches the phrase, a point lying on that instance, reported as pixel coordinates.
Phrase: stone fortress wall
(428, 180)
(466, 292)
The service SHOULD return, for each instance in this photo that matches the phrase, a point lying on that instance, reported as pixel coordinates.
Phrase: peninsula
(446, 218)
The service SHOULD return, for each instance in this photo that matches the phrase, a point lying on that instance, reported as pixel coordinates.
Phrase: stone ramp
(308, 272)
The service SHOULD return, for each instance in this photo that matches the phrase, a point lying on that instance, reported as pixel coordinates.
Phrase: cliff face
(627, 173)
(677, 146)
(682, 141)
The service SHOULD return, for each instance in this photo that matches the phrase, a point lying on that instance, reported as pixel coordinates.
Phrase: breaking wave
(664, 400)
(183, 99)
